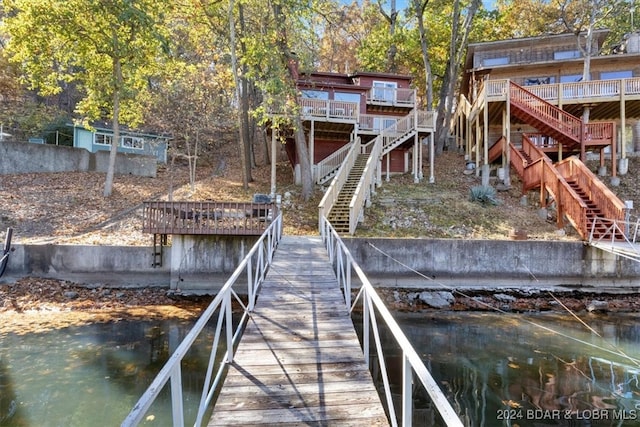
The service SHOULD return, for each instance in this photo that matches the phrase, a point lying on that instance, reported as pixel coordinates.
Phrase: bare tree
(460, 29)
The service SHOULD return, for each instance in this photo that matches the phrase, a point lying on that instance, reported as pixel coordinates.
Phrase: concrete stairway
(339, 214)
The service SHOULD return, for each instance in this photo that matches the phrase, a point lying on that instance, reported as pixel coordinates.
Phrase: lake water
(92, 375)
(497, 369)
(528, 369)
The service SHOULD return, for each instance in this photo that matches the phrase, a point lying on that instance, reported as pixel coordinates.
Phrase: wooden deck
(299, 361)
(207, 217)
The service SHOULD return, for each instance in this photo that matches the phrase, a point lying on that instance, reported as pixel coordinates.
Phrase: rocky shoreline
(510, 301)
(32, 304)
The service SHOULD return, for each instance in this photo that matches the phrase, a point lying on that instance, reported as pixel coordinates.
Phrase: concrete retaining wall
(206, 262)
(469, 261)
(23, 157)
(191, 262)
(95, 265)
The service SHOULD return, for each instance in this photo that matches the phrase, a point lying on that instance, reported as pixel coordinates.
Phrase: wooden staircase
(340, 212)
(592, 211)
(566, 129)
(579, 195)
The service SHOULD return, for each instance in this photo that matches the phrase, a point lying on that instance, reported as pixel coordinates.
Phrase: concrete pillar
(485, 174)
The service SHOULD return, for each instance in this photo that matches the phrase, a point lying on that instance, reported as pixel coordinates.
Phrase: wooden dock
(299, 361)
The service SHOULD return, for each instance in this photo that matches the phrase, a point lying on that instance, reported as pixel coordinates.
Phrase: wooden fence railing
(189, 217)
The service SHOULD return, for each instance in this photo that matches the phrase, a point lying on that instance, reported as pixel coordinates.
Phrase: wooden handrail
(610, 205)
(553, 178)
(202, 217)
(496, 149)
(559, 119)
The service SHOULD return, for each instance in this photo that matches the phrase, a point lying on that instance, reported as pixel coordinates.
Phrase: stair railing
(395, 134)
(540, 172)
(332, 193)
(610, 205)
(495, 150)
(598, 133)
(332, 163)
(559, 119)
(365, 185)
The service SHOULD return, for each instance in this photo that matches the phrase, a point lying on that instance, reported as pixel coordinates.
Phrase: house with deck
(359, 127)
(525, 107)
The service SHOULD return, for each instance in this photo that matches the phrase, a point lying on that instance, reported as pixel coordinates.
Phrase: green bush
(484, 194)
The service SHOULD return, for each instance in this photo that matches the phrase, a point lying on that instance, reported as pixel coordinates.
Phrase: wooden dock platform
(299, 361)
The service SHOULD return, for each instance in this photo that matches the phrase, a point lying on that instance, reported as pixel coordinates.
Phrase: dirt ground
(68, 208)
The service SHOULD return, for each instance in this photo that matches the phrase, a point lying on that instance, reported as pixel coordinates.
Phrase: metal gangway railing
(254, 266)
(4, 258)
(374, 309)
(620, 237)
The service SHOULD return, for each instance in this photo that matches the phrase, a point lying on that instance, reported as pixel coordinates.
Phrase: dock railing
(255, 266)
(207, 217)
(373, 309)
(617, 236)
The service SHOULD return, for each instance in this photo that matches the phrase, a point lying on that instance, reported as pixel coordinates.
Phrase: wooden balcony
(207, 218)
(329, 110)
(374, 124)
(604, 97)
(389, 96)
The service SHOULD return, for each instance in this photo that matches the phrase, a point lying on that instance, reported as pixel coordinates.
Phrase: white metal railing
(255, 264)
(331, 195)
(331, 163)
(374, 309)
(328, 109)
(4, 258)
(616, 236)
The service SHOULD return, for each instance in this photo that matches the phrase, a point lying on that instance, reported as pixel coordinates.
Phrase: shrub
(484, 194)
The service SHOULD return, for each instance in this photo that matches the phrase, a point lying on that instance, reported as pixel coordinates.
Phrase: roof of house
(527, 42)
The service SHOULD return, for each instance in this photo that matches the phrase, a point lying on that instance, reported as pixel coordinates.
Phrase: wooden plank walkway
(299, 361)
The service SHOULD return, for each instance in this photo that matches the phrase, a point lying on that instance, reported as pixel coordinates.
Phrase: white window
(531, 81)
(573, 78)
(346, 96)
(381, 123)
(384, 91)
(133, 142)
(566, 54)
(315, 94)
(492, 62)
(615, 75)
(102, 139)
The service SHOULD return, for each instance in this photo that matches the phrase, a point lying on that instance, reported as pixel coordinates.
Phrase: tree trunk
(420, 8)
(302, 152)
(238, 96)
(392, 19)
(244, 107)
(459, 41)
(117, 76)
(303, 160)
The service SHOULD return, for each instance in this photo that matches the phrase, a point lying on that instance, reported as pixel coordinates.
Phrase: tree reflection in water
(502, 369)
